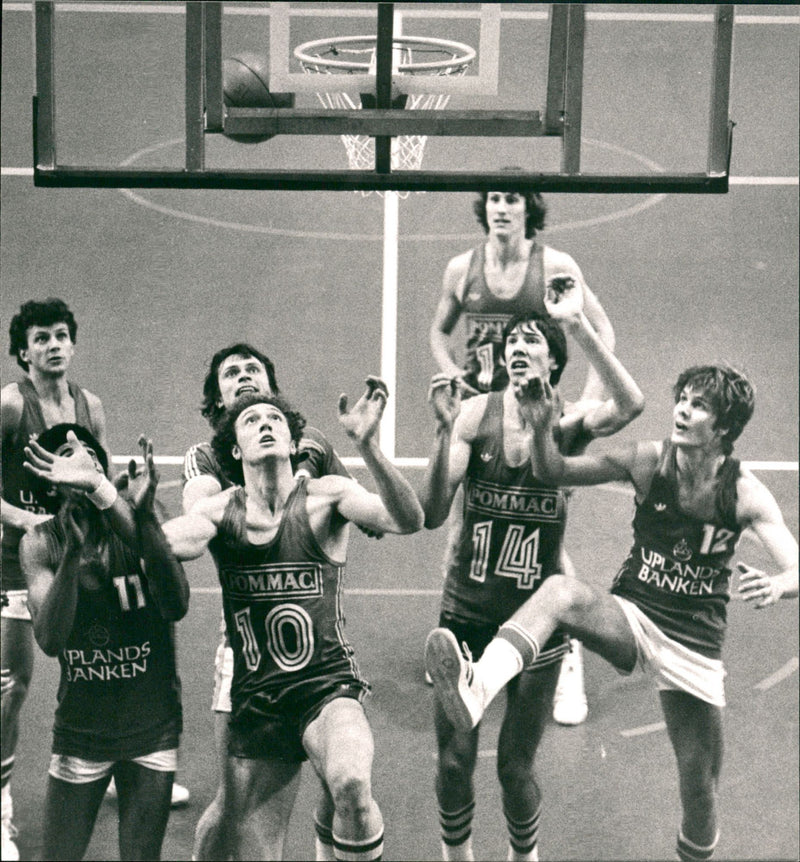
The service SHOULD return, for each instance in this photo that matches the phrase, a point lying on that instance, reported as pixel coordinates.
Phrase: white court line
(319, 12)
(780, 675)
(644, 729)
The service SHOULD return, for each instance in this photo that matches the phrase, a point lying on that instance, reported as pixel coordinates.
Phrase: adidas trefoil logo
(660, 507)
(486, 456)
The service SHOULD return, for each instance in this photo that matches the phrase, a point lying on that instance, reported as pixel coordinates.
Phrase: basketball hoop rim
(463, 54)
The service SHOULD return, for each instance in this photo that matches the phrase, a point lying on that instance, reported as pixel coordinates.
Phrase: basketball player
(280, 546)
(234, 371)
(486, 286)
(510, 544)
(42, 337)
(667, 609)
(108, 619)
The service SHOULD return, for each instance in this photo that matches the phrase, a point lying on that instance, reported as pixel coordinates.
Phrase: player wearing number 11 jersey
(511, 541)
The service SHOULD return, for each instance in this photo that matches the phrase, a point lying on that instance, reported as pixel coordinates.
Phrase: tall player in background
(235, 371)
(666, 612)
(42, 338)
(485, 287)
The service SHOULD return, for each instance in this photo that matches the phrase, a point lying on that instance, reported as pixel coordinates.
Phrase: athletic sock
(323, 843)
(368, 850)
(688, 851)
(5, 791)
(457, 833)
(523, 837)
(509, 653)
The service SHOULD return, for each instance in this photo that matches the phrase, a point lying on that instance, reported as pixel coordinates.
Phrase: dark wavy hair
(553, 334)
(46, 312)
(535, 211)
(731, 394)
(211, 394)
(224, 438)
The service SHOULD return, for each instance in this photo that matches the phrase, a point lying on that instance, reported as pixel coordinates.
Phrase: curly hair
(732, 397)
(210, 407)
(535, 211)
(224, 438)
(47, 312)
(553, 335)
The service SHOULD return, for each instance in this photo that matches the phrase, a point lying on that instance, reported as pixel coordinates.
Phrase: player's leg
(695, 729)
(455, 790)
(529, 702)
(144, 796)
(207, 834)
(323, 826)
(16, 657)
(259, 797)
(340, 748)
(466, 689)
(570, 706)
(70, 812)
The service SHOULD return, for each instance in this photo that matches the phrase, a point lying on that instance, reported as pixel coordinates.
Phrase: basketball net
(357, 54)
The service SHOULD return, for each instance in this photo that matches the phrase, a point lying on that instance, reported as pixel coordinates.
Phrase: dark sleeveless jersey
(119, 693)
(677, 571)
(486, 315)
(21, 488)
(282, 605)
(512, 530)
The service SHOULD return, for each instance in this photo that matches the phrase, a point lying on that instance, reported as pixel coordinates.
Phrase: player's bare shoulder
(469, 417)
(11, 406)
(754, 501)
(455, 274)
(213, 507)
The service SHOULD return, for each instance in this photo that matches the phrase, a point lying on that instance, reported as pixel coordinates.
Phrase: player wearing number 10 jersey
(280, 545)
(511, 541)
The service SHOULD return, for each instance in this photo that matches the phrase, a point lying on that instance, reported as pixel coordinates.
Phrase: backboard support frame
(205, 114)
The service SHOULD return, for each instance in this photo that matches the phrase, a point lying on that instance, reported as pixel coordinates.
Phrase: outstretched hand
(77, 470)
(444, 395)
(363, 420)
(142, 484)
(539, 403)
(563, 298)
(757, 587)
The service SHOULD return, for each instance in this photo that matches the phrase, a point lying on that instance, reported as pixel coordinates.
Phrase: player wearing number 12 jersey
(511, 541)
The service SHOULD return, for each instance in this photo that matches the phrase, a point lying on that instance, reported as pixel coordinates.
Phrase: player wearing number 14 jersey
(511, 541)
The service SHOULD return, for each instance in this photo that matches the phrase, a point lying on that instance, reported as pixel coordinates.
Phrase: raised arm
(403, 513)
(447, 465)
(565, 301)
(52, 594)
(757, 508)
(559, 263)
(448, 313)
(165, 575)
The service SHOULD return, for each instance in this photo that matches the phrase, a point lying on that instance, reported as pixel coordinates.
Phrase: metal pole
(718, 134)
(195, 122)
(383, 82)
(44, 118)
(573, 94)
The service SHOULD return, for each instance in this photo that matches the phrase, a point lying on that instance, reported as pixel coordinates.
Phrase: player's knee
(352, 796)
(564, 592)
(14, 697)
(454, 767)
(515, 776)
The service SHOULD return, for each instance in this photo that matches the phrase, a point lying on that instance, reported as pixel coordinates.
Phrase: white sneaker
(10, 851)
(569, 704)
(460, 695)
(180, 794)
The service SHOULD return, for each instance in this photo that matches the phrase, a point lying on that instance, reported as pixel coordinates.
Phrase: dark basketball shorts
(274, 731)
(477, 635)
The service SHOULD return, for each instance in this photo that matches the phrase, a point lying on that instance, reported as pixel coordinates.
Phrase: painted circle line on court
(647, 202)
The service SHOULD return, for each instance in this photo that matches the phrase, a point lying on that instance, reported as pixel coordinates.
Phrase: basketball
(245, 84)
